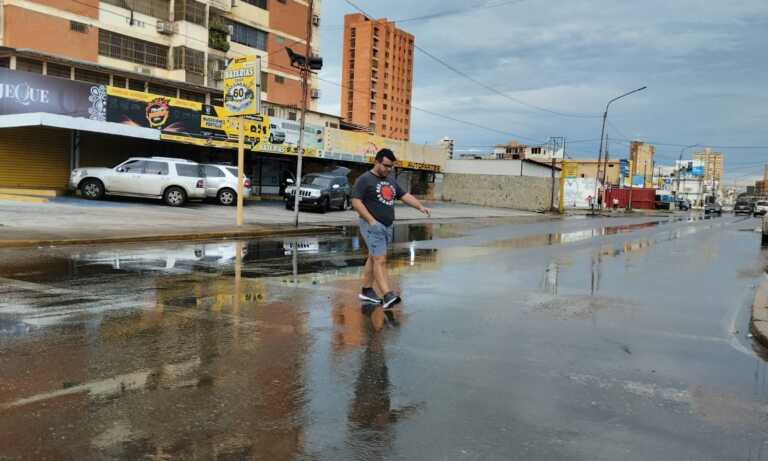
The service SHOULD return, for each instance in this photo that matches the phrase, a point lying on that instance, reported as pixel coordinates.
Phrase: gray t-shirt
(378, 195)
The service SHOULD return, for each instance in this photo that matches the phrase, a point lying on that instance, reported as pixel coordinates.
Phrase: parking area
(76, 218)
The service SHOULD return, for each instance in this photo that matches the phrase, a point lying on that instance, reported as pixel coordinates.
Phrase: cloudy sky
(559, 62)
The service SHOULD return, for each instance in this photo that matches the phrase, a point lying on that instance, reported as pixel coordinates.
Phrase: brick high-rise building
(171, 48)
(713, 164)
(377, 76)
(641, 155)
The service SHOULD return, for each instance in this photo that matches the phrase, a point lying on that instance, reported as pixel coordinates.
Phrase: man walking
(373, 198)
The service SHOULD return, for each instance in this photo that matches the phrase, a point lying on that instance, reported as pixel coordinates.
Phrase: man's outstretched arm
(412, 201)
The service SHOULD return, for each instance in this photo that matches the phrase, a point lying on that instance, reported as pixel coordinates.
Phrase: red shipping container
(642, 199)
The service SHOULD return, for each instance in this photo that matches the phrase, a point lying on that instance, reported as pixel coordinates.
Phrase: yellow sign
(148, 97)
(242, 87)
(570, 170)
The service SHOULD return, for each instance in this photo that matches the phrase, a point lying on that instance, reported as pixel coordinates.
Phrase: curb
(758, 323)
(170, 237)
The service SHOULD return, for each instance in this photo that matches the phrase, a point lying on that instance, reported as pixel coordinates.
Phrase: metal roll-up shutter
(34, 157)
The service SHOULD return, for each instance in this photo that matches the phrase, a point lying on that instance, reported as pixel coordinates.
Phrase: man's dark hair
(385, 153)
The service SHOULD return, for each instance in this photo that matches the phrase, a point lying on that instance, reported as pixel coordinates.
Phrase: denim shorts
(377, 237)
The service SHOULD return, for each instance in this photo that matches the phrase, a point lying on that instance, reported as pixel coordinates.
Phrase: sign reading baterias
(148, 110)
(242, 87)
(23, 92)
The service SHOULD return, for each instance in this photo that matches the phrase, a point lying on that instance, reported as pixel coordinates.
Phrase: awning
(77, 123)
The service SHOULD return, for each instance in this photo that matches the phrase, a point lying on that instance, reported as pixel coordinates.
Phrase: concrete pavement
(759, 322)
(71, 220)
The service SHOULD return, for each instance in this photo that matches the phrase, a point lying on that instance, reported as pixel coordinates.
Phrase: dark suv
(743, 207)
(323, 191)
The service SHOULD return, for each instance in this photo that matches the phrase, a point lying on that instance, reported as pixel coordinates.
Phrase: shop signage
(242, 87)
(153, 111)
(24, 92)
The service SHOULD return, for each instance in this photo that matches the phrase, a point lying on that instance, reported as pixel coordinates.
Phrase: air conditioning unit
(315, 20)
(315, 93)
(166, 27)
(218, 75)
(143, 70)
(230, 30)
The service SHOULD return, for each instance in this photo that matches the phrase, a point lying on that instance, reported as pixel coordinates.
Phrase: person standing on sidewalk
(373, 198)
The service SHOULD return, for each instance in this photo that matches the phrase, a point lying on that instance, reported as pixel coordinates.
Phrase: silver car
(221, 183)
(171, 179)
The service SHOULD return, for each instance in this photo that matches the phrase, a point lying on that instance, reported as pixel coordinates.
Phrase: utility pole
(304, 96)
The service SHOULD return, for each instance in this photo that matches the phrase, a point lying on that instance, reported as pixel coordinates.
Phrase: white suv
(171, 179)
(221, 183)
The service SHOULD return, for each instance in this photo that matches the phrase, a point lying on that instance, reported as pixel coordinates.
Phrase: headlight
(315, 193)
(289, 190)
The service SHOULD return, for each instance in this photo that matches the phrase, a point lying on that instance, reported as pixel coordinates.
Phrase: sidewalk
(71, 220)
(759, 322)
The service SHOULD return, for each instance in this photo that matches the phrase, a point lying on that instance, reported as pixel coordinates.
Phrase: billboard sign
(149, 110)
(283, 138)
(242, 87)
(24, 92)
(214, 125)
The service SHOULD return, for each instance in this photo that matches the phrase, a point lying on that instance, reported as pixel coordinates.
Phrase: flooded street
(598, 339)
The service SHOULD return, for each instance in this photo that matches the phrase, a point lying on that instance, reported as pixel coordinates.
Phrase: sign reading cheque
(242, 87)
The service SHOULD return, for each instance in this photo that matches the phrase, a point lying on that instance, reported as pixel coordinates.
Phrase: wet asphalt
(583, 338)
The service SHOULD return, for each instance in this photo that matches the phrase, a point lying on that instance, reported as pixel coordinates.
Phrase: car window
(212, 172)
(319, 181)
(233, 171)
(189, 170)
(134, 166)
(155, 168)
(762, 203)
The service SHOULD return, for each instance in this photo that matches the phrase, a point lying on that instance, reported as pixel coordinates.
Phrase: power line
(441, 14)
(479, 83)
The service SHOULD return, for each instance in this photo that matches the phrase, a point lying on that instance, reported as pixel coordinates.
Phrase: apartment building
(174, 48)
(377, 76)
(712, 162)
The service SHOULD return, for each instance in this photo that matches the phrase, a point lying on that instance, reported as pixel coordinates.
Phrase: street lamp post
(679, 169)
(602, 137)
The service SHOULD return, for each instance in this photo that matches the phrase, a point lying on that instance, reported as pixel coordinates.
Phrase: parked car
(276, 134)
(321, 190)
(173, 180)
(683, 205)
(221, 183)
(713, 208)
(761, 208)
(743, 207)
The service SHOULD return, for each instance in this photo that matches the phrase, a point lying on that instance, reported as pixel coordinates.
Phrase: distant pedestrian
(373, 198)
(589, 202)
(615, 203)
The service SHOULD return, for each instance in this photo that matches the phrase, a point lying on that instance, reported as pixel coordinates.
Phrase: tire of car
(325, 205)
(174, 196)
(92, 189)
(227, 197)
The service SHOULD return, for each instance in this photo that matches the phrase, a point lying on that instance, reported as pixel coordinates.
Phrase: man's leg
(368, 273)
(380, 273)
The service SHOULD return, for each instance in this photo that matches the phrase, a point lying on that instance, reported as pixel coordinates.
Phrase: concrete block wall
(517, 192)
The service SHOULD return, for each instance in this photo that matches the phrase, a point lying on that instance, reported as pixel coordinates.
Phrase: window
(159, 9)
(188, 59)
(75, 26)
(258, 3)
(213, 172)
(155, 168)
(271, 111)
(189, 170)
(29, 65)
(118, 81)
(291, 115)
(131, 49)
(5, 62)
(192, 96)
(279, 79)
(161, 90)
(189, 10)
(134, 166)
(58, 70)
(137, 85)
(249, 36)
(91, 77)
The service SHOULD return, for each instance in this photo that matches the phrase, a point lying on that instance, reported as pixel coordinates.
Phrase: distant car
(761, 208)
(276, 135)
(713, 208)
(321, 190)
(221, 183)
(683, 205)
(743, 207)
(173, 180)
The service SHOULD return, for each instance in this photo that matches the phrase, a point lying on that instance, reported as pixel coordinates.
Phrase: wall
(23, 30)
(517, 192)
(499, 167)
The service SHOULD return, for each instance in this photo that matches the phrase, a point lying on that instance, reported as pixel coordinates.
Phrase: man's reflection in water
(371, 416)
